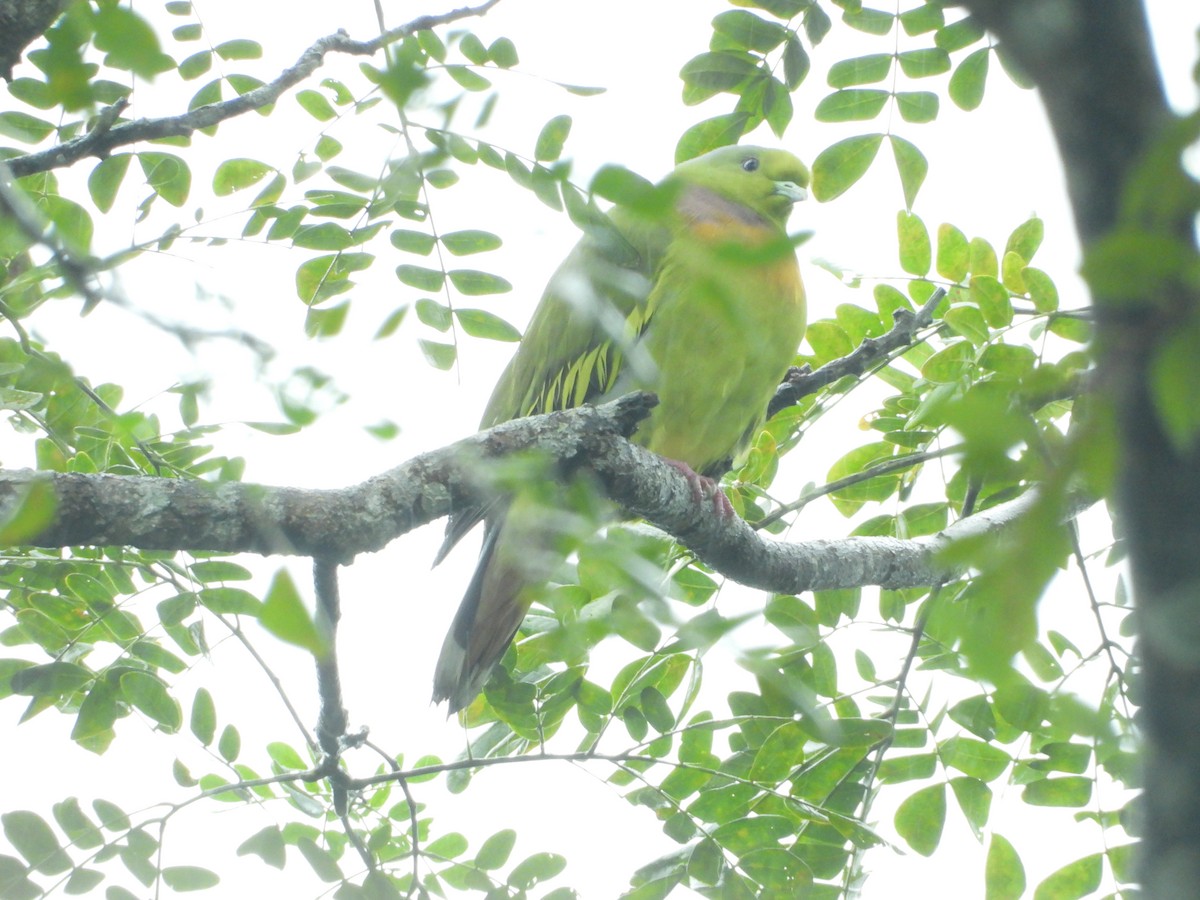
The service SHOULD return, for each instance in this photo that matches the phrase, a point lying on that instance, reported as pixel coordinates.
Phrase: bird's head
(766, 181)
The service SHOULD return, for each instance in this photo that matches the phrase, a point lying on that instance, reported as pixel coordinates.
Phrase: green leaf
(55, 679)
(474, 283)
(924, 62)
(434, 314)
(915, 249)
(551, 139)
(76, 825)
(34, 839)
(472, 48)
(829, 340)
(496, 849)
(34, 92)
(189, 878)
(851, 105)
(1026, 238)
(267, 845)
(232, 601)
(796, 63)
(969, 79)
(428, 40)
(625, 188)
(869, 21)
(896, 769)
(1014, 362)
(230, 744)
(918, 107)
(168, 174)
(203, 722)
(749, 31)
(535, 869)
(195, 65)
(912, 167)
(975, 800)
(413, 241)
(209, 570)
(974, 757)
(958, 35)
(83, 881)
(129, 42)
(440, 356)
(777, 106)
(1041, 288)
(753, 832)
(993, 300)
(112, 817)
(323, 236)
(948, 365)
(482, 324)
(468, 78)
(1077, 879)
(861, 70)
(239, 49)
(71, 221)
(983, 258)
(921, 817)
(711, 73)
(316, 105)
(284, 615)
(237, 174)
(719, 131)
(420, 277)
(285, 755)
(838, 167)
(953, 254)
(327, 148)
(148, 694)
(849, 500)
(1004, 874)
(779, 754)
(503, 52)
(464, 243)
(1069, 791)
(968, 321)
(24, 127)
(207, 95)
(447, 846)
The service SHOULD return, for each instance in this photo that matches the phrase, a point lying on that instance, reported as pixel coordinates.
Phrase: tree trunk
(1093, 63)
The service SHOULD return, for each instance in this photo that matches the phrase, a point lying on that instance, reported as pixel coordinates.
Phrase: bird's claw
(704, 487)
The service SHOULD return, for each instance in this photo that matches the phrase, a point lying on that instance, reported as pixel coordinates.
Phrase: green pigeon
(700, 303)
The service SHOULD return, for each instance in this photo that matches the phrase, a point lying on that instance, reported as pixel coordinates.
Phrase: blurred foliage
(965, 698)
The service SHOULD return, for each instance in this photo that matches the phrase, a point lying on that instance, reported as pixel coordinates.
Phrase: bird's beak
(792, 191)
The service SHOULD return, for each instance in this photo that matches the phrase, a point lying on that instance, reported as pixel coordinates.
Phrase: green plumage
(702, 305)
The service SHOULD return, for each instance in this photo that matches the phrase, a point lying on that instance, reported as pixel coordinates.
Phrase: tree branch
(176, 514)
(21, 23)
(101, 141)
(801, 382)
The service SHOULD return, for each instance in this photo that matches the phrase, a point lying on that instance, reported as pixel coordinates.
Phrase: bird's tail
(487, 619)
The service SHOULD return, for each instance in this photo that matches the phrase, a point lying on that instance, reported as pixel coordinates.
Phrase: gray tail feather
(455, 678)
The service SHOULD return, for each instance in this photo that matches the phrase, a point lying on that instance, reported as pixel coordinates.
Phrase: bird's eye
(750, 164)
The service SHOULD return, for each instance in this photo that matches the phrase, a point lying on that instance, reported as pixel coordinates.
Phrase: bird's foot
(703, 488)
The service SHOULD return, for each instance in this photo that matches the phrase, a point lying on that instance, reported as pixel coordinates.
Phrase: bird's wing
(590, 315)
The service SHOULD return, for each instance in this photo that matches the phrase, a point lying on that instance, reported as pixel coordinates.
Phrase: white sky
(989, 170)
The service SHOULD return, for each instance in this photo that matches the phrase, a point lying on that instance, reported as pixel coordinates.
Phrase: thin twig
(102, 141)
(872, 351)
(15, 205)
(875, 470)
